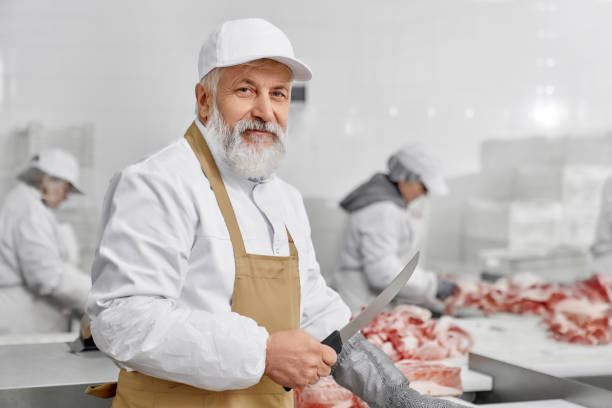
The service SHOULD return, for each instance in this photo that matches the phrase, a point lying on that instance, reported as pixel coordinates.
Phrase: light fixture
(548, 114)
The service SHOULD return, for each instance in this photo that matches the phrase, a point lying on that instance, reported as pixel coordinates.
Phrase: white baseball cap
(417, 158)
(60, 164)
(238, 41)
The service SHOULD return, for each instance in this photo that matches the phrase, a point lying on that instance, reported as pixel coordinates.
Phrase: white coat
(38, 285)
(378, 241)
(163, 275)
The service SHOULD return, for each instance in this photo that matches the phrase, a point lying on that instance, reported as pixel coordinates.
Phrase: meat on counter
(579, 312)
(416, 343)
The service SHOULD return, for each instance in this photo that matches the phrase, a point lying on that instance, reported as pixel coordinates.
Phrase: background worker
(40, 285)
(384, 228)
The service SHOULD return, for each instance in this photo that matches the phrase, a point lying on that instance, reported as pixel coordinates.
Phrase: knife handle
(334, 341)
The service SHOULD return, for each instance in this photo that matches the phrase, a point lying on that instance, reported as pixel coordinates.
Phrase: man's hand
(294, 359)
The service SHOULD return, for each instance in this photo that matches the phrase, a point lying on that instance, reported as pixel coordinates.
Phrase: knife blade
(339, 337)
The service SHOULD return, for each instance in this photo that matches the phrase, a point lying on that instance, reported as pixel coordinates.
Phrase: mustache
(256, 124)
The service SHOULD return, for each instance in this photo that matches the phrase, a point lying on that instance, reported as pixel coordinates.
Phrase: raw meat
(326, 394)
(408, 335)
(518, 294)
(409, 332)
(577, 313)
(428, 378)
(580, 321)
(432, 378)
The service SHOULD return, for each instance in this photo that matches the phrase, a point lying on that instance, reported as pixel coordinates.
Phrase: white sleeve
(44, 272)
(380, 229)
(147, 232)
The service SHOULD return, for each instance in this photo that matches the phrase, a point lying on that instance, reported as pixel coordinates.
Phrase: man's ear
(204, 102)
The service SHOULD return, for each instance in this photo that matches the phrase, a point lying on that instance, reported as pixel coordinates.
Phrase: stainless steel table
(49, 375)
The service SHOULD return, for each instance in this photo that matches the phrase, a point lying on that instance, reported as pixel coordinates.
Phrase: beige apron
(266, 289)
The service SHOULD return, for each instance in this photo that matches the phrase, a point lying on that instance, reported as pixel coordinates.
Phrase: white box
(537, 182)
(582, 184)
(486, 219)
(535, 224)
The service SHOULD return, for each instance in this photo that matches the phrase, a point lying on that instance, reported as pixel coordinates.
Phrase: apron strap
(292, 249)
(108, 390)
(207, 162)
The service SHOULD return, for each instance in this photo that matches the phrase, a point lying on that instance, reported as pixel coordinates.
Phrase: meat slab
(579, 312)
(409, 332)
(412, 339)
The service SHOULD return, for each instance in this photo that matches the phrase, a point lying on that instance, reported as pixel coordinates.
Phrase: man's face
(411, 190)
(258, 93)
(248, 118)
(53, 190)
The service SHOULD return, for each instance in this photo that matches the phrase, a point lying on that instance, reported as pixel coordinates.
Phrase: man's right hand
(294, 359)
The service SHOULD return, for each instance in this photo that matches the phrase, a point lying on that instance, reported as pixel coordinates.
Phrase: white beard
(253, 161)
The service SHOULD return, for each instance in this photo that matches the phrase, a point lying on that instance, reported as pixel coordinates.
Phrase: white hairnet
(58, 163)
(417, 159)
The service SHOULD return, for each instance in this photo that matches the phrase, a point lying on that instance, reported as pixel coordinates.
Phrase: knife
(338, 337)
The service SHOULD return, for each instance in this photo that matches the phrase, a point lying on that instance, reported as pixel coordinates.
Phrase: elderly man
(206, 290)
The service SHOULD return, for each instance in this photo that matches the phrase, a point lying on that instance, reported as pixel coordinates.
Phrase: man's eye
(278, 94)
(244, 90)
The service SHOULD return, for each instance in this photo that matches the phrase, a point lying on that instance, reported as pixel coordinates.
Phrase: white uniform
(38, 286)
(163, 275)
(378, 241)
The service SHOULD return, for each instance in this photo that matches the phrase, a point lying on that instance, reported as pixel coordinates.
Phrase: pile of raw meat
(326, 394)
(409, 333)
(412, 339)
(579, 312)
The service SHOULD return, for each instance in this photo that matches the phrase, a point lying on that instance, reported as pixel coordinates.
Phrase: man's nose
(263, 109)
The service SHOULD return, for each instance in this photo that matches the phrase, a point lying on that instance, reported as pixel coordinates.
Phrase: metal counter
(522, 341)
(50, 376)
(517, 384)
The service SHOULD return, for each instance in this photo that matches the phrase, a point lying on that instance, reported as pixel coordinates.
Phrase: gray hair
(210, 82)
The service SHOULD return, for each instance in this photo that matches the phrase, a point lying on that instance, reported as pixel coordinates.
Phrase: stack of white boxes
(539, 206)
(581, 200)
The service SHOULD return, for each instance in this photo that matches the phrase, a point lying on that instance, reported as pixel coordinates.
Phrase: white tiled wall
(448, 72)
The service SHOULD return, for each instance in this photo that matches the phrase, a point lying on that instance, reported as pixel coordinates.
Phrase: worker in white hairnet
(40, 285)
(601, 249)
(384, 229)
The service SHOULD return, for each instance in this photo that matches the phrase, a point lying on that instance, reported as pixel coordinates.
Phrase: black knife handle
(334, 341)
